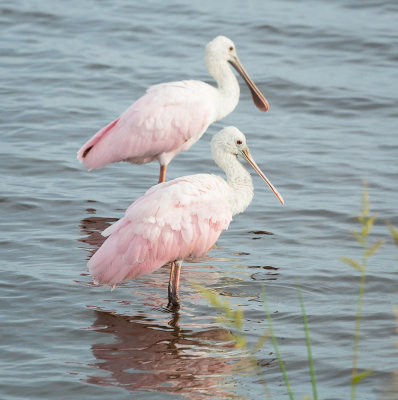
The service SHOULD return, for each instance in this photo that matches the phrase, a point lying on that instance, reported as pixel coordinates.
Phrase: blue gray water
(329, 71)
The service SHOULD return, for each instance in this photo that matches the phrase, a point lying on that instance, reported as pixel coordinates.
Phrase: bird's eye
(238, 142)
(231, 48)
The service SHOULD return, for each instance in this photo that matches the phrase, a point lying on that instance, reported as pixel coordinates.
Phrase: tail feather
(87, 153)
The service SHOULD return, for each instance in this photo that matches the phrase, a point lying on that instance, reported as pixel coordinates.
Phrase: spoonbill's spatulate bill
(178, 219)
(172, 116)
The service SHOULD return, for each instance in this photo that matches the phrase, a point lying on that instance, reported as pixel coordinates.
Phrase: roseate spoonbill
(178, 219)
(172, 116)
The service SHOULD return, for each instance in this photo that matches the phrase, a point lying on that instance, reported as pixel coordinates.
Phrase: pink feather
(174, 220)
(168, 119)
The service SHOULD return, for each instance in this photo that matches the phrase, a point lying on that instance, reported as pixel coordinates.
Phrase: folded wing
(169, 118)
(172, 221)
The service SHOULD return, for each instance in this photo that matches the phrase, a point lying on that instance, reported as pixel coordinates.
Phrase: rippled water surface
(329, 71)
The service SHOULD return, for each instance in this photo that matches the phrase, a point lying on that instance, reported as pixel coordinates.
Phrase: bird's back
(173, 221)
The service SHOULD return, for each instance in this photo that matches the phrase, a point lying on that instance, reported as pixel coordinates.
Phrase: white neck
(238, 179)
(228, 89)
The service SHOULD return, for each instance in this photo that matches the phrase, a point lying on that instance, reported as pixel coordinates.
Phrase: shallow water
(329, 71)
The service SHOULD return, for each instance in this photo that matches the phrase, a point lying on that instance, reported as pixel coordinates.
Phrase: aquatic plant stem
(233, 319)
(275, 344)
(368, 250)
(354, 382)
(362, 237)
(308, 343)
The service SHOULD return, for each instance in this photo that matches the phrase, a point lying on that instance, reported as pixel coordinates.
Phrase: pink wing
(168, 119)
(172, 221)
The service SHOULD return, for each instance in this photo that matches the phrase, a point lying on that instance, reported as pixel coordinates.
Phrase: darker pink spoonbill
(179, 219)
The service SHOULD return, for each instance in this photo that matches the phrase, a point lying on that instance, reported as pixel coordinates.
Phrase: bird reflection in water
(92, 227)
(148, 356)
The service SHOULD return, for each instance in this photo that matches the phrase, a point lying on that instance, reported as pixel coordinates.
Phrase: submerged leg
(162, 174)
(174, 283)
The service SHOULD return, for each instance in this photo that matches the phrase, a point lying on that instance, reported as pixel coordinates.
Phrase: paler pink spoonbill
(179, 219)
(172, 116)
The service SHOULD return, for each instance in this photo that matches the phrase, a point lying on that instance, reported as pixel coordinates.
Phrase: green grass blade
(367, 223)
(263, 338)
(358, 377)
(374, 248)
(308, 342)
(239, 318)
(357, 333)
(394, 234)
(275, 344)
(353, 263)
(359, 237)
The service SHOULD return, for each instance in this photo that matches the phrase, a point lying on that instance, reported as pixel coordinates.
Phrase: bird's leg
(162, 174)
(174, 283)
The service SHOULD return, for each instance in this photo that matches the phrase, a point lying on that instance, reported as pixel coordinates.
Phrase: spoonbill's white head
(222, 50)
(230, 141)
